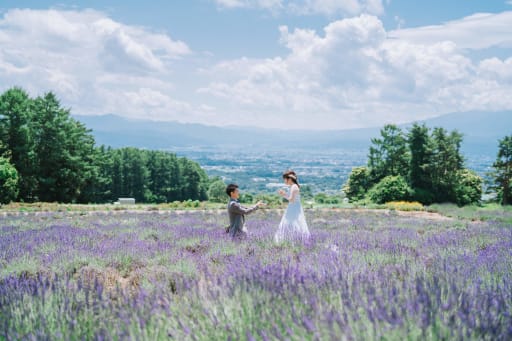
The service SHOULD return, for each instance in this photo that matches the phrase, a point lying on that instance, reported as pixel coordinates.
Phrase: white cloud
(352, 74)
(497, 68)
(355, 75)
(479, 31)
(336, 7)
(307, 7)
(95, 64)
(255, 4)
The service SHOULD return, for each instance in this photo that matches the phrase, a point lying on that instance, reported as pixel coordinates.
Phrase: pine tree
(444, 164)
(164, 176)
(64, 150)
(16, 135)
(503, 170)
(419, 177)
(389, 155)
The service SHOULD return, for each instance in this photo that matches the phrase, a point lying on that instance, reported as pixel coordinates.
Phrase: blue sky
(306, 64)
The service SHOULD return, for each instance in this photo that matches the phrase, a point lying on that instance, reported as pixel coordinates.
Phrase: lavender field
(168, 275)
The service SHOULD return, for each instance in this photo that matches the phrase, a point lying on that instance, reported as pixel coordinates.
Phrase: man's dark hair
(230, 189)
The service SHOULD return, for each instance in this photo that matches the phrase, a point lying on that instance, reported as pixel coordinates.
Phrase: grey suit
(237, 218)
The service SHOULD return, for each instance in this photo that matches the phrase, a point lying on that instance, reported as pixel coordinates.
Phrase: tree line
(425, 165)
(46, 155)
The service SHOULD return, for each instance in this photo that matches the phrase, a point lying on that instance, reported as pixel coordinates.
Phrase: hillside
(481, 131)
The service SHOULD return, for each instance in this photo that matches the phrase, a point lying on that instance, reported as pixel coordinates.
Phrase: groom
(237, 212)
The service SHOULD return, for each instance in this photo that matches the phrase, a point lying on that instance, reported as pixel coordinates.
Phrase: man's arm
(235, 207)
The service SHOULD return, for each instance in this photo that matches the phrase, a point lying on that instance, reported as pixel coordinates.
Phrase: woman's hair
(289, 174)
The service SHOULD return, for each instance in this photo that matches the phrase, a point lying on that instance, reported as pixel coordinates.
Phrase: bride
(293, 225)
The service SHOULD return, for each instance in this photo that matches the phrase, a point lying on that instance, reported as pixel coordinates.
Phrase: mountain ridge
(479, 129)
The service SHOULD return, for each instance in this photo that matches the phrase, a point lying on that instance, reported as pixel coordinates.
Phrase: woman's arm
(294, 190)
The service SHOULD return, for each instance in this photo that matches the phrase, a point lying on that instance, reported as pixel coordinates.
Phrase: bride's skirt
(293, 225)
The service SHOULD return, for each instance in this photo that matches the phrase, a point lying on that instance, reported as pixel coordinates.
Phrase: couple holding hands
(293, 226)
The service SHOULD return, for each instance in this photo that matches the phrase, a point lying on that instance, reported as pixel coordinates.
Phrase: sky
(303, 64)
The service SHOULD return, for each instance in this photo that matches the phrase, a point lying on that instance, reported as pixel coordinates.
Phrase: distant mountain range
(481, 131)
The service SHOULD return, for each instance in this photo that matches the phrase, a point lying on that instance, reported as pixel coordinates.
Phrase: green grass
(492, 212)
(24, 266)
(183, 266)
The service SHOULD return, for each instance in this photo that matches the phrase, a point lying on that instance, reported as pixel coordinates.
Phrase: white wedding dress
(293, 225)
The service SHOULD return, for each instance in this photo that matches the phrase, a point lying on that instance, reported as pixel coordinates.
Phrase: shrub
(217, 191)
(405, 205)
(272, 200)
(468, 189)
(8, 181)
(391, 188)
(245, 198)
(357, 184)
(423, 196)
(321, 198)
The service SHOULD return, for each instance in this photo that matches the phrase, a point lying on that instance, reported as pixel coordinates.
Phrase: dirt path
(387, 212)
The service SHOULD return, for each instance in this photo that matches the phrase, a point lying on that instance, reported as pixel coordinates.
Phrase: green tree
(135, 174)
(444, 164)
(419, 142)
(272, 200)
(502, 175)
(8, 181)
(388, 155)
(16, 135)
(468, 189)
(64, 151)
(217, 191)
(306, 193)
(164, 176)
(419, 147)
(98, 186)
(320, 198)
(194, 180)
(245, 198)
(115, 169)
(390, 188)
(358, 184)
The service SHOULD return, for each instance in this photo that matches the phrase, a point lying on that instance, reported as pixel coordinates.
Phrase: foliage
(468, 188)
(217, 191)
(149, 176)
(388, 155)
(445, 162)
(487, 212)
(430, 163)
(245, 198)
(358, 184)
(419, 147)
(306, 192)
(57, 161)
(502, 175)
(17, 137)
(8, 181)
(272, 200)
(405, 205)
(390, 188)
(63, 147)
(322, 198)
(425, 196)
